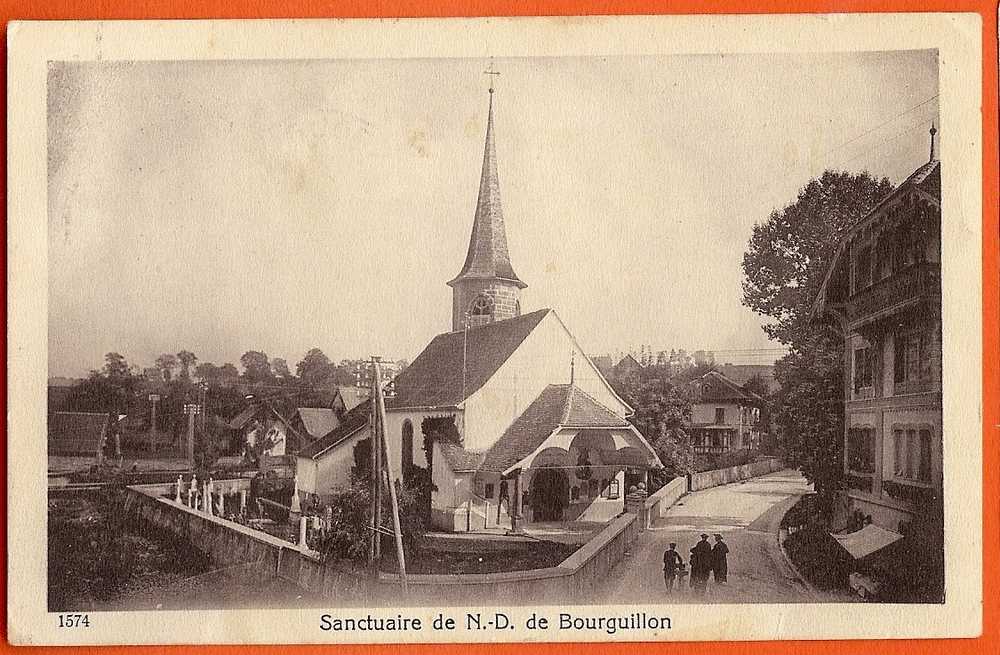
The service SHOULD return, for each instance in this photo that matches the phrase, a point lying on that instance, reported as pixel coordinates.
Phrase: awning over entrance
(619, 447)
(862, 543)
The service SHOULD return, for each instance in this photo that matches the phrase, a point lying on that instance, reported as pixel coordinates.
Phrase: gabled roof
(488, 257)
(318, 421)
(351, 397)
(76, 433)
(434, 379)
(459, 459)
(350, 424)
(716, 387)
(926, 180)
(558, 405)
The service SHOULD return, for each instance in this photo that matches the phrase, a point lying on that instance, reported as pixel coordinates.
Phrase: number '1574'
(74, 621)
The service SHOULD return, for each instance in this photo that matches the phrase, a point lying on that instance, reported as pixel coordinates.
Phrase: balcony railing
(909, 493)
(912, 283)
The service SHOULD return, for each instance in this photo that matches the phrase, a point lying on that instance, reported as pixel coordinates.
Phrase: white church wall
(394, 421)
(542, 359)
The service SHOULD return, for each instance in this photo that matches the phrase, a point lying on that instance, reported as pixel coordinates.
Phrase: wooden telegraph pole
(384, 459)
(376, 461)
(192, 410)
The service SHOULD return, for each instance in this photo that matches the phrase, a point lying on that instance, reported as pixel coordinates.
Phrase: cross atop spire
(494, 74)
(934, 154)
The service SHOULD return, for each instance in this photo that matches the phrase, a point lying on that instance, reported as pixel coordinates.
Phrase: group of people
(706, 560)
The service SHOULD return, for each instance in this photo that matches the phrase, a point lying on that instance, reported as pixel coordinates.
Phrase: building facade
(883, 291)
(725, 417)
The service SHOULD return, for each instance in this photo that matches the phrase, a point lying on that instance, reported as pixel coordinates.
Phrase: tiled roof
(927, 178)
(434, 378)
(459, 459)
(488, 256)
(76, 433)
(714, 386)
(350, 423)
(318, 421)
(558, 405)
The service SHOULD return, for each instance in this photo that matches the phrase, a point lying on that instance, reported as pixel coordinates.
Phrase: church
(510, 419)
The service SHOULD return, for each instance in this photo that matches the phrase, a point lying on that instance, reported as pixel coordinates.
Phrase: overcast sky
(277, 206)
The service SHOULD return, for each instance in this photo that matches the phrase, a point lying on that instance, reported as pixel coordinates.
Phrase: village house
(325, 465)
(883, 292)
(505, 412)
(77, 435)
(725, 417)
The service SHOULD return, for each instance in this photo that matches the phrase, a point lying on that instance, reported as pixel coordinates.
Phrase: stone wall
(717, 477)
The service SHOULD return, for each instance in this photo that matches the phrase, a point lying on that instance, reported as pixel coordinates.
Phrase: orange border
(989, 642)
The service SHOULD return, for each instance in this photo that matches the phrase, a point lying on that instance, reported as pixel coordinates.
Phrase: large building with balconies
(883, 290)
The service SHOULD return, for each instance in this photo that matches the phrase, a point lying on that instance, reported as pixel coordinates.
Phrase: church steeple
(487, 289)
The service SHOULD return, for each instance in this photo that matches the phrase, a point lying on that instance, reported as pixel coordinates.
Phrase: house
(314, 422)
(882, 291)
(725, 417)
(261, 427)
(626, 367)
(742, 373)
(347, 398)
(78, 434)
(506, 414)
(324, 466)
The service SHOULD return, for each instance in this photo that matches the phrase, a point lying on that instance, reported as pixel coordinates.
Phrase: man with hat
(720, 566)
(672, 564)
(701, 564)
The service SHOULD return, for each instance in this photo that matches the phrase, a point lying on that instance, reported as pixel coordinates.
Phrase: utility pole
(153, 398)
(384, 458)
(374, 548)
(192, 410)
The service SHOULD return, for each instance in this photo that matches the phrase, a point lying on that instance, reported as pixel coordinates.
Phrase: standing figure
(672, 562)
(701, 564)
(720, 565)
(503, 498)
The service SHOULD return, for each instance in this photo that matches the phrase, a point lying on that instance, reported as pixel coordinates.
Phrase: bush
(818, 557)
(348, 535)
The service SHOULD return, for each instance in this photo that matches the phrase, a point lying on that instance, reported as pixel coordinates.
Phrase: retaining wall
(717, 477)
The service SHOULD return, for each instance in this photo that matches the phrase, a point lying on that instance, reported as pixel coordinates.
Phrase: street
(747, 515)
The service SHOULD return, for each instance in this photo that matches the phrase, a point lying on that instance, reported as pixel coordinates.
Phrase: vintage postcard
(590, 329)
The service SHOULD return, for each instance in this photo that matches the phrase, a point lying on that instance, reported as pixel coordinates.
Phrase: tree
(187, 360)
(784, 266)
(228, 372)
(110, 389)
(207, 372)
(314, 367)
(167, 363)
(280, 368)
(256, 366)
(661, 412)
(115, 366)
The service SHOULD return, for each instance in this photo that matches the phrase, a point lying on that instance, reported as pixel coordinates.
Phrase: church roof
(488, 257)
(434, 378)
(459, 459)
(559, 405)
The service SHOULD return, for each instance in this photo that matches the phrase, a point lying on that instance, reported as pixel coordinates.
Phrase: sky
(226, 206)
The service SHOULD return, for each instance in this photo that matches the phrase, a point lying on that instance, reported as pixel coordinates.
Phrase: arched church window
(481, 306)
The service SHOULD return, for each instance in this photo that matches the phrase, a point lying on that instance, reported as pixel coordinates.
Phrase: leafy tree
(228, 372)
(784, 265)
(207, 372)
(186, 358)
(280, 368)
(256, 366)
(167, 363)
(661, 412)
(110, 389)
(314, 367)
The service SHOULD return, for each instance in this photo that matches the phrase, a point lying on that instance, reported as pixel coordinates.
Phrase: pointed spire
(934, 154)
(487, 257)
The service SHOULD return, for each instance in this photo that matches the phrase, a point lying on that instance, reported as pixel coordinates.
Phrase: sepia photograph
(617, 333)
